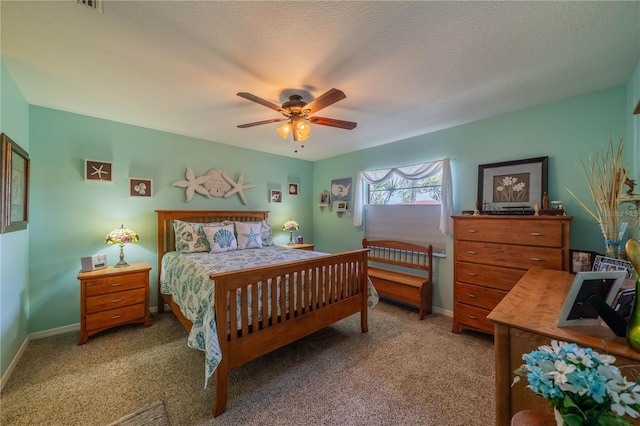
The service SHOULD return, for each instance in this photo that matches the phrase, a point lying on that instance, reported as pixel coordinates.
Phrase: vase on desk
(633, 327)
(612, 233)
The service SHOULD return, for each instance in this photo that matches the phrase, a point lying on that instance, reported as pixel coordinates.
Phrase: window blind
(412, 223)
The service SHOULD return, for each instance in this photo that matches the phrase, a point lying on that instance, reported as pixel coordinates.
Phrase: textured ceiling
(407, 68)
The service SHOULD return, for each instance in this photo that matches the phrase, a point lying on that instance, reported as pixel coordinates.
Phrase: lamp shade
(290, 225)
(121, 236)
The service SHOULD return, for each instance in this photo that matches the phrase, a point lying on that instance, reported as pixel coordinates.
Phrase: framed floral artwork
(512, 187)
(15, 186)
(294, 188)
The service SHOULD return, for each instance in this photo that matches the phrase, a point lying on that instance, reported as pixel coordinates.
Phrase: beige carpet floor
(403, 372)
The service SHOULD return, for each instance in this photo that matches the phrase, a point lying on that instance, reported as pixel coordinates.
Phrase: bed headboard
(166, 236)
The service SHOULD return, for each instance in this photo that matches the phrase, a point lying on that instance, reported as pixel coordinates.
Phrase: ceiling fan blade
(264, 102)
(257, 123)
(349, 125)
(323, 101)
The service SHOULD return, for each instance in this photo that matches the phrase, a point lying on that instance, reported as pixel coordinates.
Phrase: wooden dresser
(113, 296)
(491, 253)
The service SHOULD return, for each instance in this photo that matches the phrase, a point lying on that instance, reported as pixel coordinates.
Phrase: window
(399, 190)
(411, 203)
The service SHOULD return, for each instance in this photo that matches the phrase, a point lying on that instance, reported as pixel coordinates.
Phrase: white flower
(560, 376)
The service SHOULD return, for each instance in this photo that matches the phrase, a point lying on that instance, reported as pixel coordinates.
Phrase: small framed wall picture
(293, 188)
(324, 198)
(97, 170)
(342, 206)
(140, 187)
(276, 196)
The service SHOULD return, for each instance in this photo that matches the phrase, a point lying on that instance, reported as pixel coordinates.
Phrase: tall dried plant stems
(605, 174)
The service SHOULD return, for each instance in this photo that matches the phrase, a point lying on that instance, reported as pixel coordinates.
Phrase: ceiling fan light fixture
(284, 130)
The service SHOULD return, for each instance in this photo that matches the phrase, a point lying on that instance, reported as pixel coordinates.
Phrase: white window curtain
(417, 171)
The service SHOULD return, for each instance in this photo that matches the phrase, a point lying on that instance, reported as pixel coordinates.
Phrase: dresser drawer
(488, 276)
(112, 284)
(473, 317)
(115, 300)
(518, 231)
(508, 255)
(481, 297)
(117, 316)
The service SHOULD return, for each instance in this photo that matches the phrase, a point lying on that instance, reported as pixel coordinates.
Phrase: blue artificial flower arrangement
(584, 387)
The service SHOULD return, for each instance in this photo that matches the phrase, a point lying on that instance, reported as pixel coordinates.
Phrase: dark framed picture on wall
(15, 186)
(512, 187)
(140, 187)
(276, 196)
(97, 170)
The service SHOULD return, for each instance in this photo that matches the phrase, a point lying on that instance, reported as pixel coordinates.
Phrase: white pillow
(220, 238)
(249, 235)
(267, 238)
(189, 237)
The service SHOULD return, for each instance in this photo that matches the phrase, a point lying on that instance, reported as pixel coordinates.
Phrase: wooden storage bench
(413, 289)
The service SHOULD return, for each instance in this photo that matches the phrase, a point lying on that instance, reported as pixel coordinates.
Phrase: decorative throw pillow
(189, 237)
(220, 238)
(249, 235)
(267, 238)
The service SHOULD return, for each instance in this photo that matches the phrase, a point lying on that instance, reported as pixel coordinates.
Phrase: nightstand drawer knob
(472, 252)
(473, 317)
(538, 234)
(472, 274)
(537, 259)
(117, 300)
(473, 231)
(116, 316)
(116, 284)
(472, 296)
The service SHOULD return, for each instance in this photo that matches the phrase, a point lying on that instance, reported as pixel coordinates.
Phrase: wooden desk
(525, 319)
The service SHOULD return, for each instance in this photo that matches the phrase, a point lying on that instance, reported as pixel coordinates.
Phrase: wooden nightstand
(305, 246)
(113, 296)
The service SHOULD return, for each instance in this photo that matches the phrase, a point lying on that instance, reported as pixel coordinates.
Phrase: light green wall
(14, 246)
(633, 127)
(70, 216)
(562, 130)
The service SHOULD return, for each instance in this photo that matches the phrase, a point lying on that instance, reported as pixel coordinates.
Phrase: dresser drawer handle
(472, 252)
(472, 274)
(116, 284)
(538, 234)
(473, 231)
(537, 259)
(117, 300)
(472, 296)
(472, 317)
(116, 316)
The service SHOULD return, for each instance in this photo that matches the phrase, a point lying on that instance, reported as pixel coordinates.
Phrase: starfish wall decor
(215, 183)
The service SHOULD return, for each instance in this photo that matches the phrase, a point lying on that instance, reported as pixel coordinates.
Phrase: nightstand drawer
(104, 285)
(113, 317)
(115, 300)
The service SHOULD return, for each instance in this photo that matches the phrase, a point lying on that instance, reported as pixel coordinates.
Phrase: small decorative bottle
(633, 329)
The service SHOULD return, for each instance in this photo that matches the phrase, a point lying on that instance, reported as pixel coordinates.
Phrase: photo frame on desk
(512, 187)
(604, 263)
(576, 310)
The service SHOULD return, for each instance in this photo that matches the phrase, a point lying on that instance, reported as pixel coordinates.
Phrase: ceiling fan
(298, 114)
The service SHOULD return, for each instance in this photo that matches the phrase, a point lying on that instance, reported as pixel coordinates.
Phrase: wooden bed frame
(335, 287)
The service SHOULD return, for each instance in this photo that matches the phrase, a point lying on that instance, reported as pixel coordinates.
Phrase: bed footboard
(263, 309)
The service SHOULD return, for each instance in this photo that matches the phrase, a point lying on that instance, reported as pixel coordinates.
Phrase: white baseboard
(42, 334)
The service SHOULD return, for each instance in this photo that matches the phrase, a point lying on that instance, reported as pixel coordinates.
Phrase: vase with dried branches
(606, 174)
